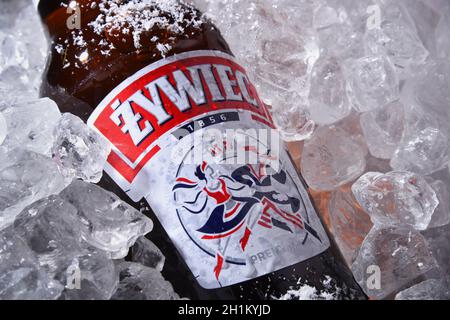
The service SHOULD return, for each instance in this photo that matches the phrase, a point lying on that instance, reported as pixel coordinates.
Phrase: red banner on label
(146, 107)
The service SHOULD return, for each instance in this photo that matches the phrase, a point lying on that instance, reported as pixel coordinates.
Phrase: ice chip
(383, 129)
(397, 38)
(51, 229)
(279, 51)
(339, 27)
(35, 135)
(10, 10)
(98, 278)
(147, 253)
(23, 48)
(109, 224)
(441, 215)
(294, 124)
(328, 97)
(372, 82)
(331, 159)
(438, 240)
(349, 222)
(287, 61)
(424, 146)
(79, 151)
(29, 31)
(26, 178)
(430, 90)
(423, 151)
(13, 53)
(341, 40)
(138, 282)
(325, 16)
(426, 15)
(396, 198)
(399, 255)
(15, 86)
(21, 277)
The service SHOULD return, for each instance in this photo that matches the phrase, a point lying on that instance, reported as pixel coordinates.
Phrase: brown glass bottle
(81, 71)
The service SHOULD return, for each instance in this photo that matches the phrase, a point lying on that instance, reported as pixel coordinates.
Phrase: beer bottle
(185, 123)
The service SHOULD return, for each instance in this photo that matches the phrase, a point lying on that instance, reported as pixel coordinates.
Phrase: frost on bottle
(193, 146)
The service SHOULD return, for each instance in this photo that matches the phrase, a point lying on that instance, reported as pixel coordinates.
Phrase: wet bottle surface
(85, 66)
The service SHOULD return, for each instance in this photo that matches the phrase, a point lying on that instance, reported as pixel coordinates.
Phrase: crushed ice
(365, 82)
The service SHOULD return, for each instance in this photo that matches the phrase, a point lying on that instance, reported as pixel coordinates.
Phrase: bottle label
(191, 136)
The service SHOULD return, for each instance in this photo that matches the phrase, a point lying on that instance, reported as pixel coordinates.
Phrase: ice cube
(441, 215)
(424, 147)
(147, 253)
(396, 198)
(23, 47)
(438, 240)
(294, 124)
(20, 275)
(325, 16)
(98, 278)
(16, 86)
(26, 178)
(138, 282)
(331, 159)
(396, 37)
(286, 62)
(349, 222)
(372, 82)
(426, 16)
(51, 229)
(391, 258)
(109, 224)
(9, 11)
(12, 52)
(279, 52)
(354, 11)
(327, 97)
(383, 129)
(341, 40)
(341, 27)
(35, 135)
(29, 31)
(432, 289)
(430, 91)
(79, 151)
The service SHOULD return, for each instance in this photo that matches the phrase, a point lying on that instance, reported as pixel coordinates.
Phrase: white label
(191, 136)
